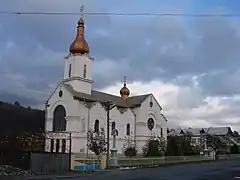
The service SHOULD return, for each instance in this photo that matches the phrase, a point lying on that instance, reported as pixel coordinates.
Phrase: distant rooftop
(218, 131)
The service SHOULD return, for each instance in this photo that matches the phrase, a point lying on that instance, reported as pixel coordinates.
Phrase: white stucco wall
(78, 82)
(143, 114)
(97, 112)
(80, 118)
(73, 116)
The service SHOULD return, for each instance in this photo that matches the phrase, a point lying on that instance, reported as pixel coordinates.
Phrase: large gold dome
(79, 45)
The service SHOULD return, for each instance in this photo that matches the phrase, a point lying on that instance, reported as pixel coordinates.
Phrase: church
(74, 107)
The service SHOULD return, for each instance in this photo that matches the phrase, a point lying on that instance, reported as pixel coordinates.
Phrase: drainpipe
(135, 126)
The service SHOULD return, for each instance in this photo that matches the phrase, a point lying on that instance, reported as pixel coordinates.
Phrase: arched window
(128, 129)
(59, 121)
(96, 125)
(70, 70)
(84, 71)
(113, 126)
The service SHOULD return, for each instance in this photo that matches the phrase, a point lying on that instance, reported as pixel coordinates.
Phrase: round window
(60, 93)
(150, 124)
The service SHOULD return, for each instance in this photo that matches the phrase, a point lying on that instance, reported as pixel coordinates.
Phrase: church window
(96, 126)
(151, 104)
(59, 121)
(84, 70)
(150, 124)
(70, 70)
(161, 132)
(60, 93)
(113, 125)
(128, 129)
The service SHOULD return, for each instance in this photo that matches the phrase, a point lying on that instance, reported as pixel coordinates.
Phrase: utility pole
(108, 133)
(108, 105)
(46, 113)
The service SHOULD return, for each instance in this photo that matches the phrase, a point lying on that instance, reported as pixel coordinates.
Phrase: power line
(120, 14)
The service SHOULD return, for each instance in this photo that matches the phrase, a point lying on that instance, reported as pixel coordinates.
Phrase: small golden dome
(124, 92)
(79, 45)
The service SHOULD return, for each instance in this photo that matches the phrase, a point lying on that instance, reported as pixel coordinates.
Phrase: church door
(59, 121)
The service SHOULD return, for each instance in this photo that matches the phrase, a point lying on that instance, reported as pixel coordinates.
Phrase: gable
(151, 98)
(60, 96)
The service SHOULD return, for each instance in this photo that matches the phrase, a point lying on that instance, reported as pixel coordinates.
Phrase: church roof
(97, 96)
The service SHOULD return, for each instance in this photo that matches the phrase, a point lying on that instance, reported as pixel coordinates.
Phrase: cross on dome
(124, 92)
(80, 45)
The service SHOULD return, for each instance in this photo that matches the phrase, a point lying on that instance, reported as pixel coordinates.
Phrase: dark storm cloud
(151, 48)
(11, 98)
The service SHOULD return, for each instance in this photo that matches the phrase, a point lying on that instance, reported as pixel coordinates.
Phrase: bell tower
(78, 64)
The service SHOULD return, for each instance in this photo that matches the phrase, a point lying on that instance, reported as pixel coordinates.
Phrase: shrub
(235, 149)
(154, 147)
(130, 151)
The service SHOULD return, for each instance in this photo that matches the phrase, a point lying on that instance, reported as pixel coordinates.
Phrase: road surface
(221, 170)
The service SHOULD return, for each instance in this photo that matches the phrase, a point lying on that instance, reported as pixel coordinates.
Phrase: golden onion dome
(124, 91)
(79, 45)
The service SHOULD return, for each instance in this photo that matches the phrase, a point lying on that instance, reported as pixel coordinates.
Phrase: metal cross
(124, 81)
(81, 10)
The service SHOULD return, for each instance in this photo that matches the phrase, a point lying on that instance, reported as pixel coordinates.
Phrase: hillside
(15, 119)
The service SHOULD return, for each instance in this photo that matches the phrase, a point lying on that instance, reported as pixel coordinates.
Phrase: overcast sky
(191, 64)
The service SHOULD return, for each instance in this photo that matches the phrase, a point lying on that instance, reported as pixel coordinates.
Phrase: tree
(31, 141)
(162, 146)
(235, 149)
(235, 134)
(96, 142)
(196, 150)
(154, 147)
(129, 148)
(179, 145)
(172, 146)
(185, 145)
(215, 142)
(16, 103)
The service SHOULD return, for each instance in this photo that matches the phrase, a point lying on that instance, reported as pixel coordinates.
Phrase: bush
(196, 150)
(154, 147)
(234, 149)
(130, 151)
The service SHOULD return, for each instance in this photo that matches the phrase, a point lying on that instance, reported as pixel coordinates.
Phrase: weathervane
(81, 10)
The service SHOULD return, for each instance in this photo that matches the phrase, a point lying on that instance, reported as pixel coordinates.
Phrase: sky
(190, 64)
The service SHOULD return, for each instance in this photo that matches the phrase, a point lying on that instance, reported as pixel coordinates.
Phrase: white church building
(75, 107)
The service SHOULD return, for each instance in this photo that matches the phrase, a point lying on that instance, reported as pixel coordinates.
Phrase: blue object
(90, 167)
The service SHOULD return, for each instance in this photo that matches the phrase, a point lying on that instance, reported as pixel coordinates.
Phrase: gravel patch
(6, 170)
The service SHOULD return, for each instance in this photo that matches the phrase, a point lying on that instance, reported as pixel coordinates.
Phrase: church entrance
(59, 121)
(57, 154)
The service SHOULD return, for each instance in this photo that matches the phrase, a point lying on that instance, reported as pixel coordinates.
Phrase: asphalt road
(220, 170)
